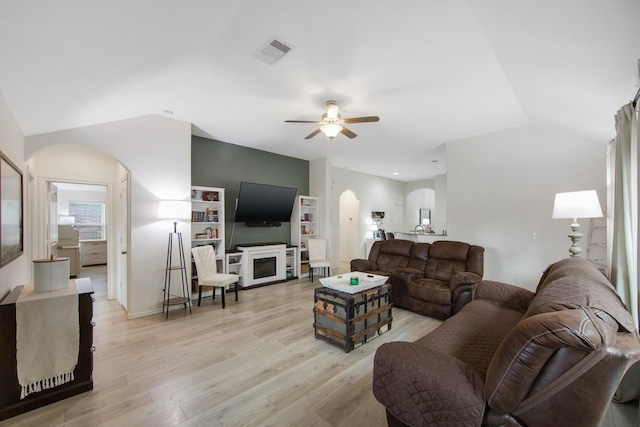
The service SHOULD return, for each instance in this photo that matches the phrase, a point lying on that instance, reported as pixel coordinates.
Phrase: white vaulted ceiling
(434, 71)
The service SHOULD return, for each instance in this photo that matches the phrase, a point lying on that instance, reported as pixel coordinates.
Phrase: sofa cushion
(390, 263)
(431, 290)
(446, 259)
(392, 255)
(419, 256)
(474, 334)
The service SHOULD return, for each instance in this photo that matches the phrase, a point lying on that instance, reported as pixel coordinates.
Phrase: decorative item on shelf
(353, 280)
(210, 196)
(574, 205)
(175, 210)
(212, 215)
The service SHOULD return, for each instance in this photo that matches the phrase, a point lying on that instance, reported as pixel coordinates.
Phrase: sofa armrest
(363, 265)
(511, 295)
(421, 386)
(464, 278)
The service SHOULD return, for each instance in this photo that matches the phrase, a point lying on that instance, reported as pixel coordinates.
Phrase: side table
(351, 319)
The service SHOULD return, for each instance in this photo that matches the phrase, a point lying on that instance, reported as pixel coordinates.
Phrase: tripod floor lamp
(175, 210)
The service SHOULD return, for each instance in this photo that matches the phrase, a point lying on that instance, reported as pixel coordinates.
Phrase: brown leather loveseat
(435, 279)
(514, 358)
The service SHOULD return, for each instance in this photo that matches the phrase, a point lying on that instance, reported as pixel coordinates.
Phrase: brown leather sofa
(514, 358)
(434, 279)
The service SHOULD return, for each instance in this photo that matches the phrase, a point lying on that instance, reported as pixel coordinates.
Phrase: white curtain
(623, 207)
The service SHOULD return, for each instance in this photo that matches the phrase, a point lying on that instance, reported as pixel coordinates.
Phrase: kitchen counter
(421, 237)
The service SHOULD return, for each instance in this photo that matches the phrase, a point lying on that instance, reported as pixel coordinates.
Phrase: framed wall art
(11, 208)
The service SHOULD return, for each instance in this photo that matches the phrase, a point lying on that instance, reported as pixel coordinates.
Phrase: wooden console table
(10, 402)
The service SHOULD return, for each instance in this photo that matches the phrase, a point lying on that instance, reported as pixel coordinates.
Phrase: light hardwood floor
(255, 363)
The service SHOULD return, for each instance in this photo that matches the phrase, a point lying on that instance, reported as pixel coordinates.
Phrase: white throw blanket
(48, 338)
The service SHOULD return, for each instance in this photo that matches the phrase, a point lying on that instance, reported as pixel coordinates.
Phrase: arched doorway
(80, 165)
(349, 230)
(422, 198)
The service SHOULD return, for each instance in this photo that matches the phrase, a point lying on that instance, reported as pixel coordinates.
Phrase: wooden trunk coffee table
(349, 315)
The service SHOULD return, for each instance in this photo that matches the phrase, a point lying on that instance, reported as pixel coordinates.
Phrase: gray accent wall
(220, 164)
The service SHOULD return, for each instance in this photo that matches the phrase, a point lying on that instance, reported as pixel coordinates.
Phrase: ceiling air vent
(272, 51)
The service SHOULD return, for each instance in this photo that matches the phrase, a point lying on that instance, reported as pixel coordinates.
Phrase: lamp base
(575, 236)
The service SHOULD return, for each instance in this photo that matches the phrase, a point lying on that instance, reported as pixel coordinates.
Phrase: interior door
(123, 266)
(52, 219)
(350, 240)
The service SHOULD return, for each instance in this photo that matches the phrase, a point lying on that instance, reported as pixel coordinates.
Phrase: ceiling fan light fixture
(332, 110)
(331, 130)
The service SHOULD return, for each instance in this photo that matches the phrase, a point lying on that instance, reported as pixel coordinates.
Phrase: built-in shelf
(304, 226)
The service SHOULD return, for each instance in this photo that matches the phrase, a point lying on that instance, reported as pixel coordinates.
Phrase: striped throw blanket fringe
(46, 384)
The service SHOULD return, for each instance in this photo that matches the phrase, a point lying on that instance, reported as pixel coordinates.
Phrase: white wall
(439, 217)
(501, 189)
(12, 145)
(157, 152)
(320, 187)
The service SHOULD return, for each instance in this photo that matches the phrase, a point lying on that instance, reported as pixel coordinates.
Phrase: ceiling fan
(332, 123)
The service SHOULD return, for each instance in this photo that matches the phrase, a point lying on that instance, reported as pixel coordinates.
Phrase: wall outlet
(516, 280)
(534, 235)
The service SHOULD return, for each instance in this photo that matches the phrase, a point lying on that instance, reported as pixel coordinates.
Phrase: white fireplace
(263, 264)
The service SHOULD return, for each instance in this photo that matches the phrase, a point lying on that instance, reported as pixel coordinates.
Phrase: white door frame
(123, 243)
(110, 221)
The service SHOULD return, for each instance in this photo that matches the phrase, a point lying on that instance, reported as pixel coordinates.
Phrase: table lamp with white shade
(574, 205)
(374, 230)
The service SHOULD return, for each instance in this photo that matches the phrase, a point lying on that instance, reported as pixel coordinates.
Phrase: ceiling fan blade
(362, 119)
(302, 121)
(312, 134)
(347, 132)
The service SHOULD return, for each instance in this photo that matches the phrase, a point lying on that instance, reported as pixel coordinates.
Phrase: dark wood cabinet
(10, 402)
(350, 320)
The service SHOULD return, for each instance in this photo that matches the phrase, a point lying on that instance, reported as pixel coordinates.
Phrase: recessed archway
(81, 165)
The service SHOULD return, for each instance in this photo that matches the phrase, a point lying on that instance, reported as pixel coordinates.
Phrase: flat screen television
(264, 205)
